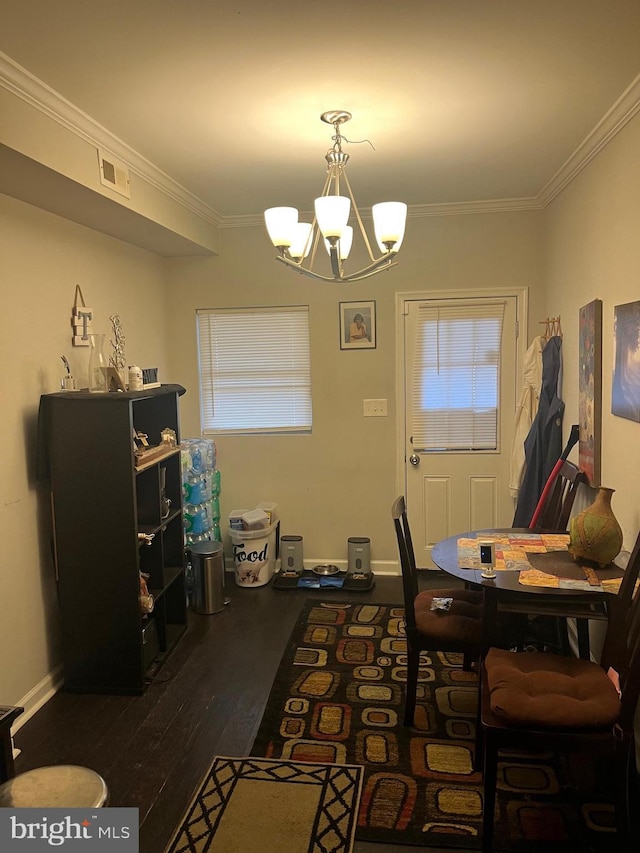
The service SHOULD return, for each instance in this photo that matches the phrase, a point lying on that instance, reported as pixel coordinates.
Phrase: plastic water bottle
(215, 508)
(197, 519)
(196, 489)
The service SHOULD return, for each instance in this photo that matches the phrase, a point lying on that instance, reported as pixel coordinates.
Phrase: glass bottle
(98, 364)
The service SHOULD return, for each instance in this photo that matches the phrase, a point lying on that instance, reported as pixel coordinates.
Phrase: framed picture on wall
(590, 388)
(357, 325)
(625, 392)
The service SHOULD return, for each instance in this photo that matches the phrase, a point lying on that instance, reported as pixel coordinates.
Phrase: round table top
(58, 786)
(445, 555)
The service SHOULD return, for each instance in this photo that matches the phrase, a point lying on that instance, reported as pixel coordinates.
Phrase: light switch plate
(374, 408)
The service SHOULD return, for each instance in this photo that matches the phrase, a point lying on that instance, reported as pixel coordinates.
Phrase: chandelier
(297, 242)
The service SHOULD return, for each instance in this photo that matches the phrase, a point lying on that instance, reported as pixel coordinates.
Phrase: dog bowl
(325, 569)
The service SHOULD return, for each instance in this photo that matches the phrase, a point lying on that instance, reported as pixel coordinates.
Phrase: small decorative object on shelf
(150, 377)
(140, 440)
(135, 378)
(67, 383)
(117, 358)
(147, 602)
(595, 535)
(98, 367)
(168, 436)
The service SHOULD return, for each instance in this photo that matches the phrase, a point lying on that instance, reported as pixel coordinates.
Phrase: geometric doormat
(254, 804)
(338, 697)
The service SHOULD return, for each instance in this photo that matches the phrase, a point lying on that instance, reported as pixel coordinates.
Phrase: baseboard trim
(39, 696)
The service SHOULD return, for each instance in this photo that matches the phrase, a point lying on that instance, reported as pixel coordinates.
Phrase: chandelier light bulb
(389, 219)
(301, 239)
(344, 243)
(332, 214)
(281, 222)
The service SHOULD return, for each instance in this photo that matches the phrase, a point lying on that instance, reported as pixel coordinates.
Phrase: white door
(460, 378)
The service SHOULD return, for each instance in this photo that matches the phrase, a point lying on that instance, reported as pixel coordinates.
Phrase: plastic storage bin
(254, 555)
(255, 519)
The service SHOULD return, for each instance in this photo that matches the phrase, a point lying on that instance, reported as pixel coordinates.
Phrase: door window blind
(255, 373)
(456, 377)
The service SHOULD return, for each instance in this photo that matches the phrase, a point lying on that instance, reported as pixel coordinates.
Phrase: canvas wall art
(625, 393)
(590, 386)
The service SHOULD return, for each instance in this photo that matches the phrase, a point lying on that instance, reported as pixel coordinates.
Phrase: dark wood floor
(208, 699)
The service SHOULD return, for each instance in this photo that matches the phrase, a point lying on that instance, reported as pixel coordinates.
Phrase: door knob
(414, 459)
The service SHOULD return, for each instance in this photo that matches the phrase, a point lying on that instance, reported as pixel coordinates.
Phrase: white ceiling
(464, 100)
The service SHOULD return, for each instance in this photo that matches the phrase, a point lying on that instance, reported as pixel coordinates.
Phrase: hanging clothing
(526, 410)
(543, 445)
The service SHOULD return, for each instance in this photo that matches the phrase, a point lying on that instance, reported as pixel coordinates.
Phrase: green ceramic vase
(595, 535)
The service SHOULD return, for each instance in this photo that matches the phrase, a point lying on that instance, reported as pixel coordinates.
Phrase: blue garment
(543, 445)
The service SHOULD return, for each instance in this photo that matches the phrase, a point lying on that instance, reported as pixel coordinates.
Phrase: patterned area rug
(339, 697)
(248, 804)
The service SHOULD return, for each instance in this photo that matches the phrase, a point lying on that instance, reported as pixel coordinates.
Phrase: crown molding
(624, 109)
(416, 211)
(24, 85)
(495, 205)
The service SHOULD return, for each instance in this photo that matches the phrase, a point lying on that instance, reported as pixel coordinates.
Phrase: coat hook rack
(552, 326)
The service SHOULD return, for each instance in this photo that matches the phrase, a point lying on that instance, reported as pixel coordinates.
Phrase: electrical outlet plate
(374, 408)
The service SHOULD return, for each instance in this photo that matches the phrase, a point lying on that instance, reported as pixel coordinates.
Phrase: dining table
(534, 575)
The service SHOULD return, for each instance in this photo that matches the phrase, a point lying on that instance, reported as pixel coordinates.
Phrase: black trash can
(207, 566)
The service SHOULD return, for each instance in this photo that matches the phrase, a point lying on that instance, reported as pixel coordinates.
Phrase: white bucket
(254, 555)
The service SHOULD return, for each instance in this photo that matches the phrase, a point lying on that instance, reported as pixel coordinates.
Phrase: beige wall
(43, 258)
(593, 252)
(339, 481)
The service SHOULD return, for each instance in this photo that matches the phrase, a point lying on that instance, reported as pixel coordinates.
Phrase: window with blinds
(456, 377)
(255, 372)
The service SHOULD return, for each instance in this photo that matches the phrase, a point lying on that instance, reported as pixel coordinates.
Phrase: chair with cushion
(541, 700)
(456, 629)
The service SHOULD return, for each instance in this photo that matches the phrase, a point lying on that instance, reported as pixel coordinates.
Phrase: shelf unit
(100, 504)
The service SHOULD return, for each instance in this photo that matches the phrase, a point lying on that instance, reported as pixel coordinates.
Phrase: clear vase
(595, 535)
(98, 364)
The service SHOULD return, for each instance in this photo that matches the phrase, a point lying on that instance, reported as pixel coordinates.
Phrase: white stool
(59, 786)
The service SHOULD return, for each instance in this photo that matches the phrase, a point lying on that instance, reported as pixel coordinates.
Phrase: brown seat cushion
(538, 689)
(461, 624)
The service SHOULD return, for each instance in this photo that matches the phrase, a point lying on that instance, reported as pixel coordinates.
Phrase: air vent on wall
(113, 173)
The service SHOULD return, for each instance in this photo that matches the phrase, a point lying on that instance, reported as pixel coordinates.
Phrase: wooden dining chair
(428, 628)
(541, 700)
(556, 508)
(553, 513)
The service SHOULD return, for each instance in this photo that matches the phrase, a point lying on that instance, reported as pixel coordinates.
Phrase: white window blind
(255, 373)
(456, 376)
